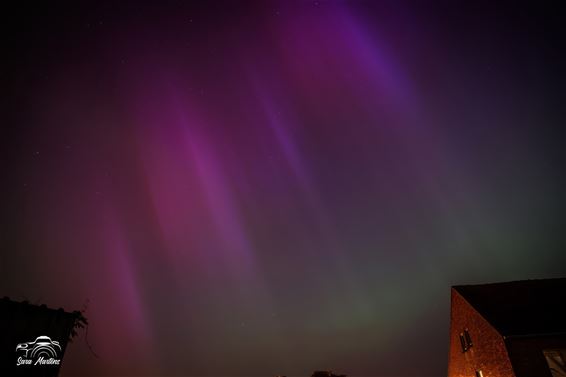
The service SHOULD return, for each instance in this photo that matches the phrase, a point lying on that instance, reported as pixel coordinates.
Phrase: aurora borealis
(273, 187)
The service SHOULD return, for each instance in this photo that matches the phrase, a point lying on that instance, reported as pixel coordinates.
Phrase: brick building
(514, 329)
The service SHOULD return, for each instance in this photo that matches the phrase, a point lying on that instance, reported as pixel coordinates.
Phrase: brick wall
(488, 352)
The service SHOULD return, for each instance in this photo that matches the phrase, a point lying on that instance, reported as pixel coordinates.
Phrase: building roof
(520, 308)
(21, 322)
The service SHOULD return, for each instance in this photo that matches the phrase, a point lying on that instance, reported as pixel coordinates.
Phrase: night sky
(262, 188)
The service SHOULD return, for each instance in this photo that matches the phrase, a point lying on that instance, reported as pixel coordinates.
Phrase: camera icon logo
(41, 346)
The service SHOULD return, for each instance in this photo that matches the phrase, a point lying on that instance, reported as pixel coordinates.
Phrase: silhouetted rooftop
(520, 308)
(22, 322)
